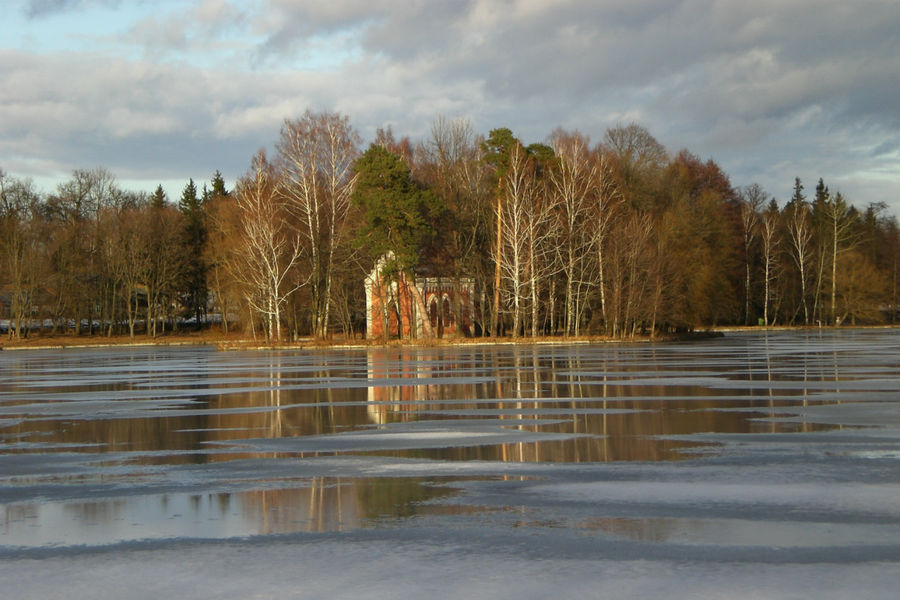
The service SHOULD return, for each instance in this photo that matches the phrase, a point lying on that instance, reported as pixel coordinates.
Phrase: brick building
(448, 314)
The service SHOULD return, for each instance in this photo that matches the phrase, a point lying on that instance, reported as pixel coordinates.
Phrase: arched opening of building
(433, 312)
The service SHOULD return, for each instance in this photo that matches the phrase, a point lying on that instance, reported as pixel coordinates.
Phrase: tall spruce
(194, 290)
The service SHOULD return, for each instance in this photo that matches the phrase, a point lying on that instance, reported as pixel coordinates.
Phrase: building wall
(439, 296)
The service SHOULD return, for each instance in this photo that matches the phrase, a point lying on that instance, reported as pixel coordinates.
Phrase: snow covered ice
(758, 465)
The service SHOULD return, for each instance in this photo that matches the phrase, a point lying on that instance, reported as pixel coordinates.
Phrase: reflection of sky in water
(738, 532)
(324, 505)
(106, 445)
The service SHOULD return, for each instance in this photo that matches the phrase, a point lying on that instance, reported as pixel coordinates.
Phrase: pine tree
(496, 151)
(399, 215)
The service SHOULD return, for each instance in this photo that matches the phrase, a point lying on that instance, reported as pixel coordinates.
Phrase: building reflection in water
(613, 406)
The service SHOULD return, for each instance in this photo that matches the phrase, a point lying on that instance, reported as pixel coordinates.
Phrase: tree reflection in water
(122, 418)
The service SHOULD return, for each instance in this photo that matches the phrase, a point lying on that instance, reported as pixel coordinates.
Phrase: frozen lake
(751, 466)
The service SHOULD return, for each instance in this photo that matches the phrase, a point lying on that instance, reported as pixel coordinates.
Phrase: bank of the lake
(233, 341)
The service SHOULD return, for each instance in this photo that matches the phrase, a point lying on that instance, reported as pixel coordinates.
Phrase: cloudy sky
(163, 90)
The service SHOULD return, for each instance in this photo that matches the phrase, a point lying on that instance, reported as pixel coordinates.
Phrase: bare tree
(130, 258)
(631, 274)
(526, 250)
(166, 262)
(20, 250)
(752, 198)
(769, 235)
(542, 248)
(863, 290)
(270, 245)
(640, 157)
(800, 234)
(85, 282)
(451, 165)
(225, 218)
(315, 157)
(519, 197)
(841, 223)
(606, 198)
(574, 180)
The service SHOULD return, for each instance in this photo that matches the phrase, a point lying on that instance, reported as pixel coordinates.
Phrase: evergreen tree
(819, 216)
(217, 186)
(398, 215)
(159, 199)
(797, 198)
(822, 194)
(496, 149)
(195, 232)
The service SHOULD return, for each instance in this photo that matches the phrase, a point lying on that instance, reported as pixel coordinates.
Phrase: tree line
(566, 237)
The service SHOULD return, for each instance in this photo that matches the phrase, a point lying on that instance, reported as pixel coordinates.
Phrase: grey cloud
(39, 8)
(287, 25)
(43, 8)
(769, 89)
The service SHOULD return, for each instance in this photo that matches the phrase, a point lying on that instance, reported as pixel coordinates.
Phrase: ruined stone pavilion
(449, 303)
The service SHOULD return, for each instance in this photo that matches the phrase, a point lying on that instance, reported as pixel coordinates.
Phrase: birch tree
(519, 191)
(840, 221)
(270, 245)
(800, 233)
(769, 236)
(574, 181)
(606, 200)
(496, 151)
(543, 237)
(315, 157)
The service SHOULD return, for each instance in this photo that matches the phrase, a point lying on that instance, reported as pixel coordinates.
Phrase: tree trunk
(495, 326)
(427, 329)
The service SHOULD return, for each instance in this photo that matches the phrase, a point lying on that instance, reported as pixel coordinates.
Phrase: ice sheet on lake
(445, 566)
(405, 436)
(802, 502)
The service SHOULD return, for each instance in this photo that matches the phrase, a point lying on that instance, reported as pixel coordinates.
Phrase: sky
(160, 91)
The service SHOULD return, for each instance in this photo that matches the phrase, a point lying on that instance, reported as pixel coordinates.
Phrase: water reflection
(600, 403)
(324, 504)
(75, 424)
(738, 532)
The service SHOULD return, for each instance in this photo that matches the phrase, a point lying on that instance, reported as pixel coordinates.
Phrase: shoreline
(238, 342)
